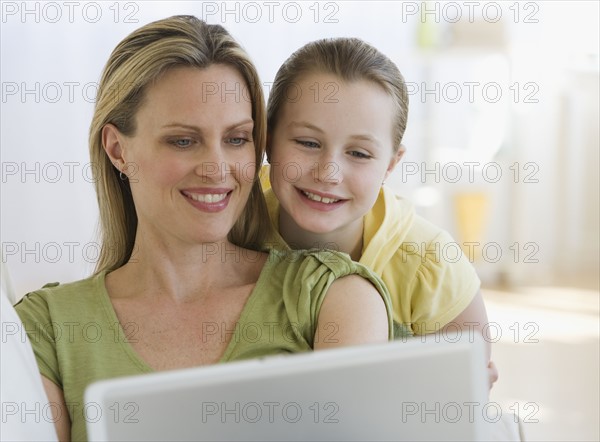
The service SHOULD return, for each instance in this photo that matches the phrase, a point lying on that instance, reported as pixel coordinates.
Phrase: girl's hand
(492, 373)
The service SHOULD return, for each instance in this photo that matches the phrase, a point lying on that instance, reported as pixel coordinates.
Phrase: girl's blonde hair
(137, 61)
(350, 59)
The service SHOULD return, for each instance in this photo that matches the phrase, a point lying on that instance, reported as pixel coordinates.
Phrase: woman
(182, 279)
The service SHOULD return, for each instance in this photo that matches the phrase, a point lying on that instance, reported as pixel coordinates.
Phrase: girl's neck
(348, 239)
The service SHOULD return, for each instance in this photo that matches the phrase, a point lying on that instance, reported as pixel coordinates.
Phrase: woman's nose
(211, 162)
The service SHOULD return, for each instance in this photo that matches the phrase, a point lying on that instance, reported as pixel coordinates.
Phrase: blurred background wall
(503, 152)
(502, 136)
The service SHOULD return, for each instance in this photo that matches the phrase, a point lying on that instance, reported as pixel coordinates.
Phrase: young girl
(336, 114)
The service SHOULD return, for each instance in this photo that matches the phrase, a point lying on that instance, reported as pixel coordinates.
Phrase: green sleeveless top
(77, 338)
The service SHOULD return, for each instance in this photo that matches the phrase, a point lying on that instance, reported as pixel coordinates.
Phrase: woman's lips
(208, 200)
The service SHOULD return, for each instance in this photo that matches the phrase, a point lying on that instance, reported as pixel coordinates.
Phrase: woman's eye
(181, 142)
(238, 141)
(311, 144)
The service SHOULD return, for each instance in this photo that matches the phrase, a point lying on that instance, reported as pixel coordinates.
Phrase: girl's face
(330, 151)
(191, 162)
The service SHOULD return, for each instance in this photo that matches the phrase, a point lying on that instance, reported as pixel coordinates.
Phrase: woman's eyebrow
(198, 129)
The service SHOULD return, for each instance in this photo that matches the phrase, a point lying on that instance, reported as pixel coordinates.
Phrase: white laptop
(397, 391)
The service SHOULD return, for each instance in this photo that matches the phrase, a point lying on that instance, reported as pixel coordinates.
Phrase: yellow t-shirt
(429, 279)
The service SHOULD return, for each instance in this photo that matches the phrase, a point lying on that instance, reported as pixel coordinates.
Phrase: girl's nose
(327, 170)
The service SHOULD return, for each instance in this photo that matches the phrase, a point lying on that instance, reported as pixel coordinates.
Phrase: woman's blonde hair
(137, 61)
(350, 59)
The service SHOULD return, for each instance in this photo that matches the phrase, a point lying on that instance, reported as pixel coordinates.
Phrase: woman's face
(191, 162)
(330, 150)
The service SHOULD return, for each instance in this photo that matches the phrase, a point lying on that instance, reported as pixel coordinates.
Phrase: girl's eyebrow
(305, 124)
(365, 137)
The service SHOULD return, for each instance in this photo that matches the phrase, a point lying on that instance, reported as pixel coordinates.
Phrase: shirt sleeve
(41, 331)
(307, 283)
(20, 382)
(444, 285)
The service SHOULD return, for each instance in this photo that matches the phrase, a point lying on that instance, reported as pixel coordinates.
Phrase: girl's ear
(395, 160)
(112, 142)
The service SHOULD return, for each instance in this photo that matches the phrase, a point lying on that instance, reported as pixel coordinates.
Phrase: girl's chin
(319, 227)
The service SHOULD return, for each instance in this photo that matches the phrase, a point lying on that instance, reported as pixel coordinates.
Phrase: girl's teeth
(319, 199)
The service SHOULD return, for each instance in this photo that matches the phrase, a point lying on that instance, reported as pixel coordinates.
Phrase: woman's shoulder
(56, 294)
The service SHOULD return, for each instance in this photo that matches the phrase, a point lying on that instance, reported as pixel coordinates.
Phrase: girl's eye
(359, 155)
(310, 144)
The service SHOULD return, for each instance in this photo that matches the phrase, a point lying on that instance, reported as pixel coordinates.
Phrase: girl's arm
(353, 312)
(475, 317)
(60, 414)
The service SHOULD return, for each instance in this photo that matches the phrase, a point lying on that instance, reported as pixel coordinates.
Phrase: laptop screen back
(407, 390)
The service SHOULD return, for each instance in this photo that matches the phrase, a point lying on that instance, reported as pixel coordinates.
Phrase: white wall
(56, 51)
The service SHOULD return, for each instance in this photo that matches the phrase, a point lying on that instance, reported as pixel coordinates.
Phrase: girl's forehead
(323, 93)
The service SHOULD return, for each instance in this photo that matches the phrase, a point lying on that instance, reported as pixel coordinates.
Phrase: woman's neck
(348, 239)
(183, 271)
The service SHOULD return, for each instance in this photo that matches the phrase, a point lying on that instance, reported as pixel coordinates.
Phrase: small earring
(122, 176)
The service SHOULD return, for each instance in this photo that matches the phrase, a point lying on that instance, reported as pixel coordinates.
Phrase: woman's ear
(112, 142)
(395, 160)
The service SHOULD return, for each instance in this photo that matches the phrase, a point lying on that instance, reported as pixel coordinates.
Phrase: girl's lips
(320, 201)
(321, 195)
(208, 199)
